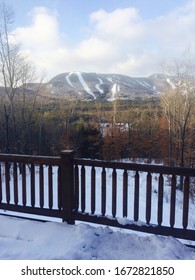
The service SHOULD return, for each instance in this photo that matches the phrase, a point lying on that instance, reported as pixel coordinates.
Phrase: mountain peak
(92, 86)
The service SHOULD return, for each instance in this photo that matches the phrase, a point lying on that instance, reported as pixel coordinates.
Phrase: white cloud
(42, 33)
(118, 41)
(95, 51)
(119, 24)
(41, 40)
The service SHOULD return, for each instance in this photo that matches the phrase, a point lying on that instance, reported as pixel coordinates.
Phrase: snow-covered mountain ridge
(109, 87)
(85, 86)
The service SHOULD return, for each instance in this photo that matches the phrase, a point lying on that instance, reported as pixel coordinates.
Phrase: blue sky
(132, 37)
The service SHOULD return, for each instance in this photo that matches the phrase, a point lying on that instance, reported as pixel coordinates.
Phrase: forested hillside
(108, 130)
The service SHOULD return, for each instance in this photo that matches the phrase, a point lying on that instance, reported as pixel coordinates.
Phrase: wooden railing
(21, 190)
(127, 192)
(110, 193)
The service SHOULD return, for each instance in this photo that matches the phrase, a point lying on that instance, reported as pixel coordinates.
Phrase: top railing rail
(30, 159)
(161, 169)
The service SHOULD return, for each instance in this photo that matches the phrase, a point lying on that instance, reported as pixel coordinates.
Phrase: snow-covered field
(25, 239)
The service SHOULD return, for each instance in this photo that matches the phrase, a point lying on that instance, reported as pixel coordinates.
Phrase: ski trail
(170, 83)
(110, 79)
(148, 85)
(70, 83)
(85, 86)
(142, 84)
(114, 90)
(97, 86)
(68, 79)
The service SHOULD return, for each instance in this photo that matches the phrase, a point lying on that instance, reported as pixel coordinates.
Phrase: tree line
(133, 129)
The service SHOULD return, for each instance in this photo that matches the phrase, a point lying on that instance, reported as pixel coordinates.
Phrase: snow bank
(24, 239)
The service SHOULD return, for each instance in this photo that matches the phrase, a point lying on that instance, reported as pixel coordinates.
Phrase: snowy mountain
(109, 87)
(103, 87)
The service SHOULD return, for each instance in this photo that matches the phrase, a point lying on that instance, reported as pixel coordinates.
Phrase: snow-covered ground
(25, 239)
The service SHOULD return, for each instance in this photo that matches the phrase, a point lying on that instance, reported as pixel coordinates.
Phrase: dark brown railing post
(67, 185)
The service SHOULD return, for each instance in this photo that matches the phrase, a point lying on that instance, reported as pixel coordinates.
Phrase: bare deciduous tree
(177, 103)
(16, 74)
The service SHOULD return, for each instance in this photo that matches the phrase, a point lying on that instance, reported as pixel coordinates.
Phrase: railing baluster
(186, 202)
(59, 189)
(114, 189)
(93, 173)
(23, 184)
(136, 197)
(15, 184)
(125, 192)
(160, 199)
(148, 197)
(103, 191)
(1, 193)
(32, 183)
(41, 185)
(7, 181)
(173, 198)
(76, 187)
(83, 188)
(50, 187)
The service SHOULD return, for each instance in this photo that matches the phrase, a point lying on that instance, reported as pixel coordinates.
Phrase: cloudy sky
(132, 37)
